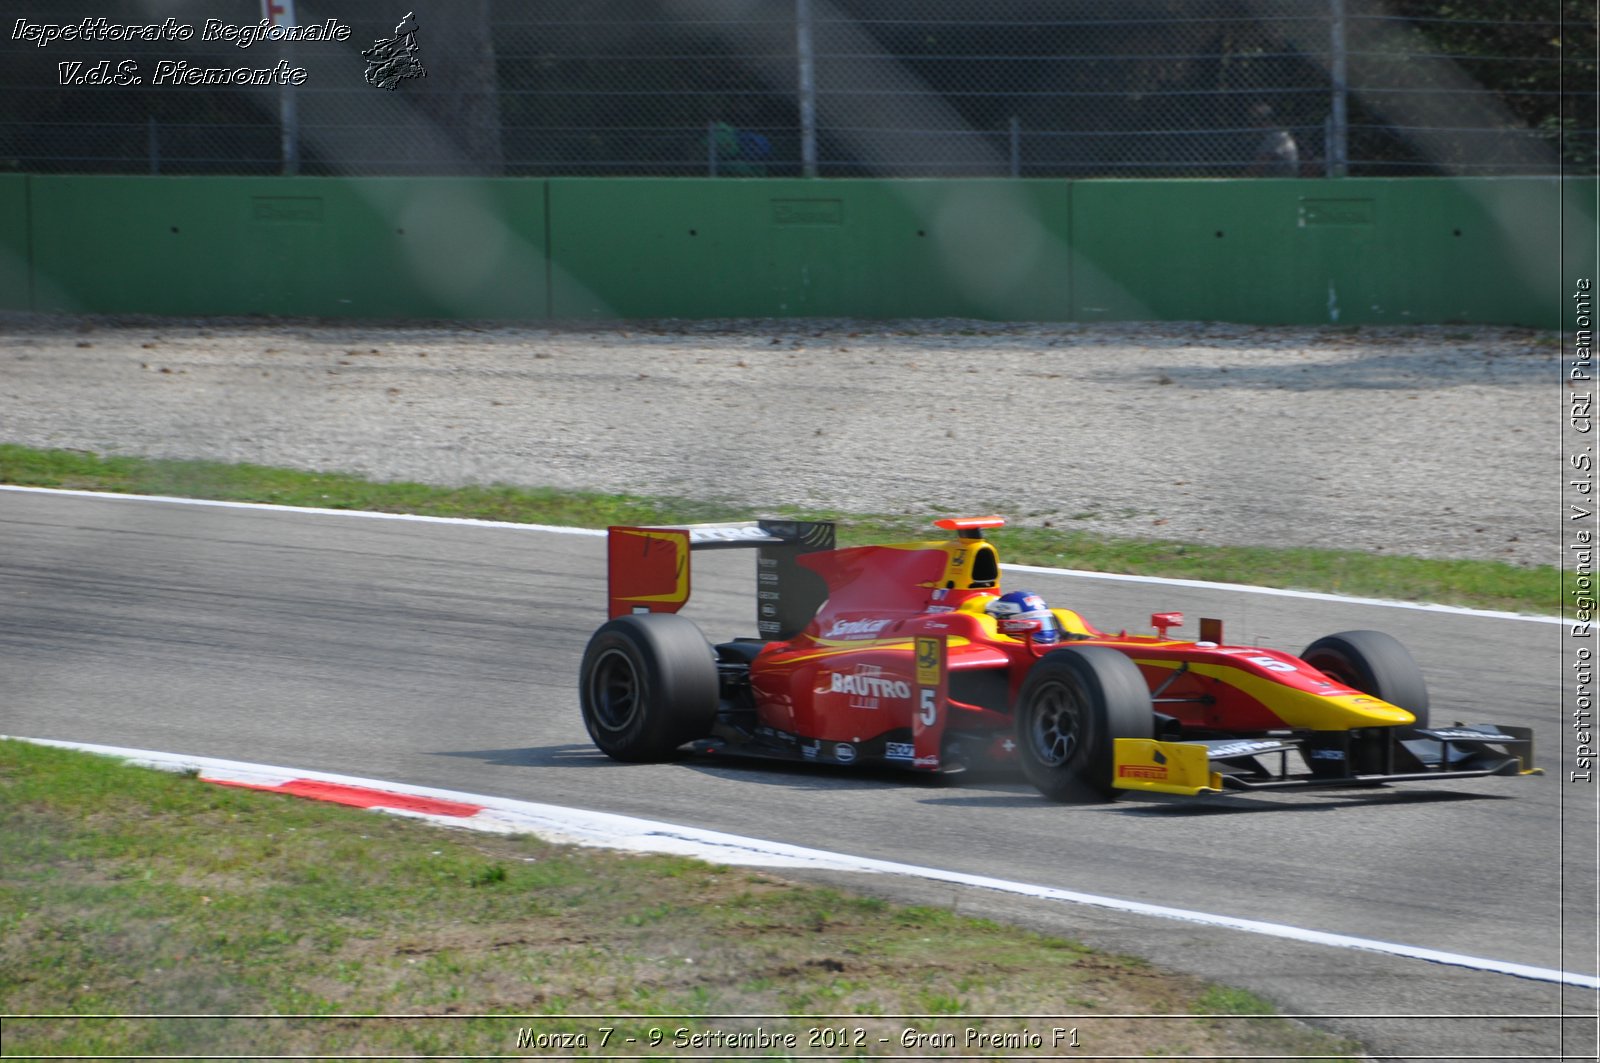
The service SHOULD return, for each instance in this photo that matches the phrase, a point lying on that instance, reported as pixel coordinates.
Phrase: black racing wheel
(1374, 663)
(648, 684)
(1074, 704)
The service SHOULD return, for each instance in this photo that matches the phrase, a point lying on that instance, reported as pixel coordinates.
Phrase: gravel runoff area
(1437, 441)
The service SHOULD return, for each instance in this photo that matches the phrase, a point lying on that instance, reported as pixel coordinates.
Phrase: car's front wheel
(1072, 707)
(648, 684)
(1375, 663)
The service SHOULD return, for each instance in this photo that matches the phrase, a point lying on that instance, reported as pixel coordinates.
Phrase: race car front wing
(1363, 757)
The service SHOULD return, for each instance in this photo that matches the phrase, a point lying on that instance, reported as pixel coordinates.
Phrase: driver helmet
(1016, 611)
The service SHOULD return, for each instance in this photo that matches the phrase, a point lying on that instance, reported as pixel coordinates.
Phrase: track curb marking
(389, 800)
(471, 522)
(608, 830)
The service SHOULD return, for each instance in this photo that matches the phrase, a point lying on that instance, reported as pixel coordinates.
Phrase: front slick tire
(648, 684)
(1374, 663)
(1074, 704)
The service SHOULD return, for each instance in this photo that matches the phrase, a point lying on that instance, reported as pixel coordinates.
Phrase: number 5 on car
(927, 723)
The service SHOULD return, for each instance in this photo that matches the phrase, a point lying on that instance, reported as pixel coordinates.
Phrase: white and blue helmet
(1019, 611)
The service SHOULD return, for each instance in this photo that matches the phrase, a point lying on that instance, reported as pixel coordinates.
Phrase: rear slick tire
(647, 685)
(1071, 709)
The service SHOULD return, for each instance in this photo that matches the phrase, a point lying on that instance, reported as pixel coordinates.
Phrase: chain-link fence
(1031, 88)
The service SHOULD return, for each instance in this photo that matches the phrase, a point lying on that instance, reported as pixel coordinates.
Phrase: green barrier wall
(1272, 251)
(757, 247)
(1354, 251)
(376, 247)
(16, 291)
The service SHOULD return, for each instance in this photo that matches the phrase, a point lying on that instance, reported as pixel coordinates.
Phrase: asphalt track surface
(446, 655)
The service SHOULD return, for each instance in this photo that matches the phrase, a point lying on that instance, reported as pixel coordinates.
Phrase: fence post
(280, 15)
(806, 94)
(289, 125)
(1338, 147)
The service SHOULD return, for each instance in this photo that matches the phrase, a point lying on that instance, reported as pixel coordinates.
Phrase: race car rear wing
(648, 569)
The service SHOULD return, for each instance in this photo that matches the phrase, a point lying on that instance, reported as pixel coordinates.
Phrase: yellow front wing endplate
(1163, 767)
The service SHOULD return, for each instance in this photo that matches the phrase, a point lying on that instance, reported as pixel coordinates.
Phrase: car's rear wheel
(648, 684)
(1374, 663)
(1072, 707)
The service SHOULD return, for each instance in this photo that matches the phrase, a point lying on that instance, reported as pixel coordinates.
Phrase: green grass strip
(1478, 584)
(127, 892)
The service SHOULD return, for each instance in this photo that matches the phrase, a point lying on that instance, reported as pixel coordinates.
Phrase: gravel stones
(1436, 441)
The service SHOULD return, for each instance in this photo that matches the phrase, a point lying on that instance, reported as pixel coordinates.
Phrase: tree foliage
(1538, 59)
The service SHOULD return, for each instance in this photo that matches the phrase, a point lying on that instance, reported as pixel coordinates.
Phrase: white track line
(1315, 596)
(606, 830)
(1242, 588)
(270, 507)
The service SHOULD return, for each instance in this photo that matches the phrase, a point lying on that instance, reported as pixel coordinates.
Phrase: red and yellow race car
(912, 655)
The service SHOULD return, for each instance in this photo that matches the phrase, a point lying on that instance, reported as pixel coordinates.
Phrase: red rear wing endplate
(648, 569)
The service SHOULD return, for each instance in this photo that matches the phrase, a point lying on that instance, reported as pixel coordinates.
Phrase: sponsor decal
(855, 629)
(1141, 771)
(1327, 754)
(1456, 734)
(728, 533)
(844, 753)
(929, 761)
(810, 750)
(899, 751)
(928, 662)
(1241, 749)
(867, 686)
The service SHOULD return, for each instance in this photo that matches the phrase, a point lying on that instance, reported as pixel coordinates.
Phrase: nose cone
(1362, 710)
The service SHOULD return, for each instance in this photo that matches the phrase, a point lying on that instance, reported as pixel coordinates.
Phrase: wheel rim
(1055, 729)
(615, 690)
(1338, 670)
